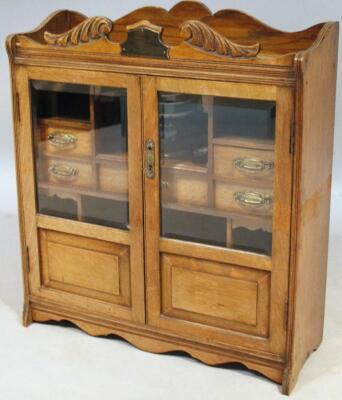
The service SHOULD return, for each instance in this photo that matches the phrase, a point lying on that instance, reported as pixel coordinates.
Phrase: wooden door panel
(205, 292)
(80, 263)
(215, 294)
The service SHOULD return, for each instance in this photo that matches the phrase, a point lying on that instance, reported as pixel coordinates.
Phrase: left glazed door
(78, 138)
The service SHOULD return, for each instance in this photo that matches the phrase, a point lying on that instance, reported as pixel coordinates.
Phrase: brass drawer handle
(149, 158)
(62, 140)
(253, 165)
(252, 199)
(63, 171)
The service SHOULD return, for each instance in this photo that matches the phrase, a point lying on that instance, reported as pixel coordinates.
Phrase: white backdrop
(68, 363)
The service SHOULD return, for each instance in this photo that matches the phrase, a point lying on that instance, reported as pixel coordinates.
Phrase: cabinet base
(153, 341)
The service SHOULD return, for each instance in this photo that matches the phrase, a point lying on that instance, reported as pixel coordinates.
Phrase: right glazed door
(218, 170)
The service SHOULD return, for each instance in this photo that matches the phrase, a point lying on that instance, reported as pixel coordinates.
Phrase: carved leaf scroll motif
(91, 28)
(203, 36)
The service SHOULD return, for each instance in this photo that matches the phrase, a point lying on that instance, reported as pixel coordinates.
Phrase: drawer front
(69, 173)
(243, 199)
(184, 188)
(66, 140)
(242, 163)
(113, 178)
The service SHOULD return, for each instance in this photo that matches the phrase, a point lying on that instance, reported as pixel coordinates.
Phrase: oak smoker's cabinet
(174, 173)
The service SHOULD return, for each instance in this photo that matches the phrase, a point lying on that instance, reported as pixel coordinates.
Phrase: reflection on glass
(183, 133)
(217, 164)
(80, 136)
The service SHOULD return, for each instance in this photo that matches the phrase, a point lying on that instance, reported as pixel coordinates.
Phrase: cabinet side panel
(16, 73)
(315, 126)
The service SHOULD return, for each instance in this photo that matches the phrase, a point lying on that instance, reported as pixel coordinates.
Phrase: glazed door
(83, 208)
(217, 200)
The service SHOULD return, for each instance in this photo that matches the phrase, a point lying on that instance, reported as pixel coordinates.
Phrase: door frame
(32, 221)
(277, 264)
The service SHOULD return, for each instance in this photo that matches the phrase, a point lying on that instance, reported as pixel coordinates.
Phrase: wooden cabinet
(174, 179)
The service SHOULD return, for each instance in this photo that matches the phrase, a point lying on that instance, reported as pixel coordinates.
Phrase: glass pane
(217, 163)
(80, 136)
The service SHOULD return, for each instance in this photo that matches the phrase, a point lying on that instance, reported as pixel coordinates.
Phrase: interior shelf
(214, 212)
(62, 121)
(182, 165)
(65, 156)
(83, 192)
(111, 157)
(248, 181)
(235, 141)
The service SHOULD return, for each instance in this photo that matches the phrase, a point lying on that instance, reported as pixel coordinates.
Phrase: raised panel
(215, 294)
(85, 267)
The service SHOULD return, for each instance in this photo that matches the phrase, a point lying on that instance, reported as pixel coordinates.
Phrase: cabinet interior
(81, 147)
(81, 129)
(191, 128)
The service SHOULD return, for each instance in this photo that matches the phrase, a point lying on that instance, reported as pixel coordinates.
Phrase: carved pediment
(144, 38)
(188, 31)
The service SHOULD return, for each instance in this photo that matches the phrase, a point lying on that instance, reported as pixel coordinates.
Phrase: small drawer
(113, 177)
(243, 199)
(188, 188)
(71, 173)
(65, 137)
(242, 163)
